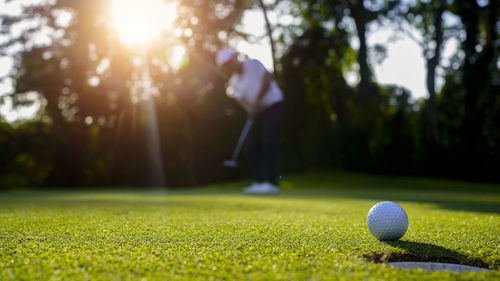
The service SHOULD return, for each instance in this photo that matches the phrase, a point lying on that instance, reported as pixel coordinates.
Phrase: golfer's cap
(224, 55)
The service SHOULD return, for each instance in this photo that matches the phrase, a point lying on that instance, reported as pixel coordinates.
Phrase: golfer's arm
(246, 105)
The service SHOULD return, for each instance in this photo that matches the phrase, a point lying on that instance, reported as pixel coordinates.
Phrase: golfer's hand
(254, 109)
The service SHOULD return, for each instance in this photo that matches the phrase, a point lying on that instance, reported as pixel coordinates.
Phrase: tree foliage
(95, 123)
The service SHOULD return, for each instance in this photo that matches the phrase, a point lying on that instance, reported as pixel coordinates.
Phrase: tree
(480, 80)
(317, 95)
(269, 32)
(86, 79)
(363, 13)
(427, 18)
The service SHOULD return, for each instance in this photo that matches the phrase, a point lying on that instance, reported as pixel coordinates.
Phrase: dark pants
(265, 143)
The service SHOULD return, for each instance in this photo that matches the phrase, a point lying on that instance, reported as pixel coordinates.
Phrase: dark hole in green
(423, 252)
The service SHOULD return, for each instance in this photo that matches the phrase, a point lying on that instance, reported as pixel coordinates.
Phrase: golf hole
(436, 266)
(430, 263)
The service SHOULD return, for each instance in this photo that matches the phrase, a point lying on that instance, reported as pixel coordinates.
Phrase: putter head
(230, 163)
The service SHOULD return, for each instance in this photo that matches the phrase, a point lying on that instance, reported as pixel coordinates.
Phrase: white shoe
(250, 187)
(262, 188)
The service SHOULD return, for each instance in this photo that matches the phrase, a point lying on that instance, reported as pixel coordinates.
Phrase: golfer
(259, 94)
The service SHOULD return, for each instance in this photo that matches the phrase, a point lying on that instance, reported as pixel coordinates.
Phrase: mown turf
(314, 230)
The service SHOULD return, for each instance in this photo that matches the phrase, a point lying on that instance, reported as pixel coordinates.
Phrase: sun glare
(141, 21)
(177, 57)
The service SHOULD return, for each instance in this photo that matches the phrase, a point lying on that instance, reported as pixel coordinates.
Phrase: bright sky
(403, 66)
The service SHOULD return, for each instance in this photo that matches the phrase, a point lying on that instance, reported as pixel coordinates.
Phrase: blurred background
(125, 93)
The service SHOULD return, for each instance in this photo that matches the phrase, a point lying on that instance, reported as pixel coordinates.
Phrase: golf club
(241, 140)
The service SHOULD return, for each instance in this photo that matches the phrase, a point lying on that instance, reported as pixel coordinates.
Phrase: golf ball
(387, 221)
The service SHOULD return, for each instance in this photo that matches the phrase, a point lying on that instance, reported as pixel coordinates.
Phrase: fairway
(314, 230)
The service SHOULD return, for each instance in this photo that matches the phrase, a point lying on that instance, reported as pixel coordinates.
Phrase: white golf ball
(387, 221)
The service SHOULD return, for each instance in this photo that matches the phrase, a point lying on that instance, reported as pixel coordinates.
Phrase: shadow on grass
(459, 200)
(445, 194)
(451, 200)
(424, 252)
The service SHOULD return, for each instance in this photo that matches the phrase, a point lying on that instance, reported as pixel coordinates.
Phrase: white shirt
(245, 86)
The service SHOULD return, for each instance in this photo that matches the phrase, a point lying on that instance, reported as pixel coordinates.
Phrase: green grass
(314, 230)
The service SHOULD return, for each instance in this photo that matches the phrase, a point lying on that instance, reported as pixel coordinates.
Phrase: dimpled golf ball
(387, 221)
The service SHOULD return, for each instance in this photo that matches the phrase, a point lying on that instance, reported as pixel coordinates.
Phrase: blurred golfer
(258, 93)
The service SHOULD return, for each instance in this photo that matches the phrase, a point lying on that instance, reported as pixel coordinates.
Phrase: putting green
(314, 230)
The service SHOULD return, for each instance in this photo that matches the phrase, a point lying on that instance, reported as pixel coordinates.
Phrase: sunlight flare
(142, 21)
(177, 57)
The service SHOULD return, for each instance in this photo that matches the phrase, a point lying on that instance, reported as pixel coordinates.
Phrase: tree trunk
(364, 70)
(472, 121)
(432, 64)
(431, 104)
(360, 15)
(269, 33)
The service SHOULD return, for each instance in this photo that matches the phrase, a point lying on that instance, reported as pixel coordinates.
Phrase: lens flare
(177, 57)
(142, 21)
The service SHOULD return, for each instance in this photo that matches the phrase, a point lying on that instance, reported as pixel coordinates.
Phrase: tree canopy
(111, 112)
